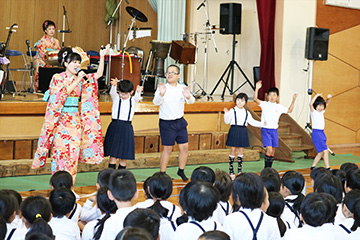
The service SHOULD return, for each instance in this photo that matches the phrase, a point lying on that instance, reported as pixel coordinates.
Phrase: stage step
(143, 160)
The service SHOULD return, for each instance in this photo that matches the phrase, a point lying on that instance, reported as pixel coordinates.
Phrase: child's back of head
(62, 201)
(146, 188)
(271, 182)
(35, 208)
(332, 185)
(214, 235)
(331, 205)
(317, 173)
(2, 228)
(223, 184)
(133, 233)
(203, 173)
(275, 210)
(38, 236)
(160, 188)
(61, 179)
(341, 175)
(271, 171)
(122, 185)
(104, 176)
(352, 180)
(294, 182)
(146, 219)
(346, 167)
(8, 205)
(356, 216)
(349, 201)
(313, 210)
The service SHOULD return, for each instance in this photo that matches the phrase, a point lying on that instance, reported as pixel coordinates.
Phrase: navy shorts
(270, 137)
(173, 130)
(319, 140)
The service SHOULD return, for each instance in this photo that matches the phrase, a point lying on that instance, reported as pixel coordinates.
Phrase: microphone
(84, 77)
(27, 42)
(127, 1)
(201, 5)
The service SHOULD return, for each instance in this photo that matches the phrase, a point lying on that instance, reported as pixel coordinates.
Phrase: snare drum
(51, 58)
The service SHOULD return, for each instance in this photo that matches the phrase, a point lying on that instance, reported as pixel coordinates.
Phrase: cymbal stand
(194, 83)
(124, 46)
(31, 89)
(146, 75)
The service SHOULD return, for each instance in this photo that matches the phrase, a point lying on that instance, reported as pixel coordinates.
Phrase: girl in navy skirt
(238, 117)
(119, 139)
(317, 110)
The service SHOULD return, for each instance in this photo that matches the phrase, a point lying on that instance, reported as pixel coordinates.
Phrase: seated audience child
(90, 212)
(146, 219)
(93, 229)
(214, 235)
(17, 222)
(2, 227)
(271, 182)
(203, 173)
(316, 174)
(249, 221)
(62, 201)
(341, 175)
(223, 183)
(313, 212)
(122, 190)
(347, 167)
(133, 233)
(352, 180)
(198, 199)
(64, 179)
(332, 185)
(37, 229)
(38, 236)
(347, 211)
(275, 210)
(356, 229)
(292, 184)
(271, 171)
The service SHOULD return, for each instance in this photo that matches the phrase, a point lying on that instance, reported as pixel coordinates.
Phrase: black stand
(230, 70)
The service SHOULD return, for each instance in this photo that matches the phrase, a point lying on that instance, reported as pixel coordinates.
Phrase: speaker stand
(230, 71)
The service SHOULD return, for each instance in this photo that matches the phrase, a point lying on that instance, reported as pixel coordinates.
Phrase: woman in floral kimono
(73, 136)
(46, 43)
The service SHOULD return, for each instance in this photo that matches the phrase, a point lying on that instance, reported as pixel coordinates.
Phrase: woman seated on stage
(46, 43)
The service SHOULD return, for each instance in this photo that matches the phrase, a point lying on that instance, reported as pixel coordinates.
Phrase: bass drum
(51, 58)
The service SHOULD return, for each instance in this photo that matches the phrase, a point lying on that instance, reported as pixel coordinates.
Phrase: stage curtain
(266, 16)
(153, 4)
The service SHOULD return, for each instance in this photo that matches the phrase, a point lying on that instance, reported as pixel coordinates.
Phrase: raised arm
(100, 70)
(257, 87)
(291, 108)
(328, 98)
(313, 100)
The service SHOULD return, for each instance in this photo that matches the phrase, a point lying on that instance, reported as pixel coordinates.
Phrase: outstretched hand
(104, 51)
(259, 84)
(162, 89)
(114, 81)
(186, 92)
(226, 110)
(139, 88)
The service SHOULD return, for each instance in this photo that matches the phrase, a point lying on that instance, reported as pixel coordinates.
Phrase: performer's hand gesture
(186, 92)
(114, 81)
(162, 89)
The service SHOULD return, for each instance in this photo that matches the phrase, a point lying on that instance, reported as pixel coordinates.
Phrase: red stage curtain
(266, 15)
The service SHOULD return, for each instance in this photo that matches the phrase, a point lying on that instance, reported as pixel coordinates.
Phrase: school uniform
(115, 223)
(289, 214)
(270, 115)
(239, 119)
(346, 225)
(318, 135)
(172, 124)
(337, 231)
(119, 139)
(339, 218)
(193, 229)
(89, 229)
(309, 233)
(75, 213)
(243, 224)
(89, 212)
(222, 210)
(14, 232)
(355, 235)
(64, 227)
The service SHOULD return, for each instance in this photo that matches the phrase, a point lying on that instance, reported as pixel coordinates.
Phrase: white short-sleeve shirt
(270, 114)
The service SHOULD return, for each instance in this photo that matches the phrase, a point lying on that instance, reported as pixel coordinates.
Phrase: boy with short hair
(270, 115)
(122, 190)
(171, 98)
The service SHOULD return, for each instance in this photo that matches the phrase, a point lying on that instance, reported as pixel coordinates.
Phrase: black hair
(199, 200)
(223, 183)
(319, 101)
(160, 188)
(313, 210)
(214, 235)
(341, 175)
(2, 227)
(146, 189)
(317, 173)
(126, 86)
(271, 182)
(203, 173)
(275, 210)
(62, 201)
(106, 206)
(353, 179)
(66, 55)
(348, 166)
(175, 66)
(15, 194)
(249, 189)
(35, 207)
(356, 216)
(270, 170)
(8, 205)
(274, 90)
(331, 205)
(39, 226)
(61, 179)
(351, 198)
(242, 96)
(122, 185)
(38, 236)
(331, 185)
(144, 218)
(103, 177)
(294, 181)
(133, 233)
(47, 23)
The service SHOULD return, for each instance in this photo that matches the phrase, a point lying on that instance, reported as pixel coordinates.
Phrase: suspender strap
(11, 234)
(118, 116)
(255, 230)
(173, 210)
(346, 230)
(294, 212)
(235, 116)
(130, 109)
(73, 211)
(202, 229)
(227, 208)
(246, 116)
(173, 225)
(215, 226)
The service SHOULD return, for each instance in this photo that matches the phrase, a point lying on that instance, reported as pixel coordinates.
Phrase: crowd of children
(263, 207)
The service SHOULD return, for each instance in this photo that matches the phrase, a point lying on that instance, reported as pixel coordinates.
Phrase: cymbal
(136, 14)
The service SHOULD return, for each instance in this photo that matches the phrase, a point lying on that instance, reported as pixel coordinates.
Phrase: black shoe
(181, 173)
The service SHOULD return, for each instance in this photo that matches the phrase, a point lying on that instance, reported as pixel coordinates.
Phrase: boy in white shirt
(271, 112)
(171, 98)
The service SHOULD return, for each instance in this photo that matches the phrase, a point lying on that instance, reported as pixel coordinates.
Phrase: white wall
(247, 52)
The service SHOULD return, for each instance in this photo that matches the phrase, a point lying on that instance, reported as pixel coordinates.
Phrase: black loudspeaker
(256, 72)
(230, 18)
(317, 43)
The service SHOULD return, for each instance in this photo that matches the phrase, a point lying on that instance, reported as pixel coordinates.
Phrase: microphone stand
(63, 31)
